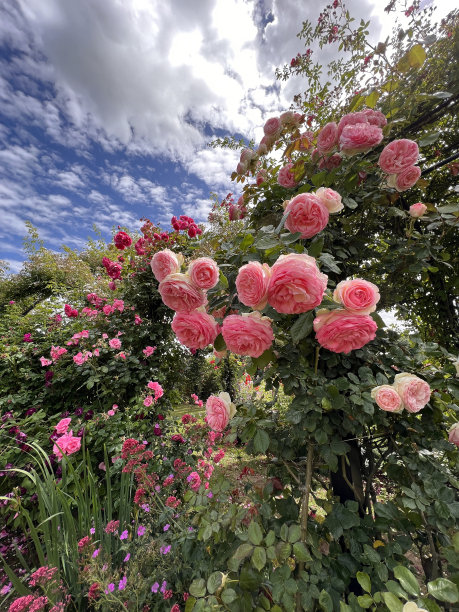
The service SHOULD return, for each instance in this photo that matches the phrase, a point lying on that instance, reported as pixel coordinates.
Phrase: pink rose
(45, 362)
(407, 178)
(341, 332)
(204, 272)
(398, 155)
(265, 145)
(357, 296)
(242, 168)
(219, 411)
(360, 138)
(328, 137)
(62, 426)
(252, 284)
(115, 343)
(179, 293)
(453, 434)
(122, 240)
(286, 178)
(375, 117)
(148, 401)
(273, 128)
(164, 263)
(247, 334)
(387, 398)
(296, 284)
(330, 198)
(308, 215)
(351, 119)
(330, 163)
(196, 329)
(246, 156)
(418, 209)
(66, 445)
(414, 391)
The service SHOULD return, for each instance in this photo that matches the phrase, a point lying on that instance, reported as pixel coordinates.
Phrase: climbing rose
(252, 284)
(414, 391)
(407, 178)
(357, 296)
(330, 198)
(165, 262)
(247, 334)
(180, 294)
(204, 272)
(375, 117)
(286, 177)
(351, 119)
(272, 128)
(341, 332)
(453, 434)
(360, 138)
(418, 209)
(398, 155)
(196, 329)
(122, 240)
(328, 137)
(387, 398)
(307, 214)
(296, 284)
(219, 411)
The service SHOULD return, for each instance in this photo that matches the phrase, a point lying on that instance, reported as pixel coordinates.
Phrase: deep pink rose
(122, 240)
(360, 138)
(398, 155)
(387, 398)
(328, 137)
(341, 332)
(204, 272)
(272, 128)
(219, 411)
(351, 119)
(330, 198)
(414, 391)
(63, 426)
(247, 334)
(308, 215)
(453, 434)
(375, 117)
(357, 296)
(180, 294)
(296, 284)
(286, 178)
(196, 329)
(418, 209)
(66, 445)
(164, 263)
(252, 284)
(407, 178)
(115, 343)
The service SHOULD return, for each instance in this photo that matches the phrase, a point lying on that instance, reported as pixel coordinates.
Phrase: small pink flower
(219, 411)
(252, 284)
(164, 263)
(273, 128)
(328, 137)
(149, 350)
(179, 293)
(115, 343)
(330, 198)
(357, 296)
(63, 426)
(453, 434)
(414, 391)
(360, 138)
(418, 210)
(148, 401)
(45, 362)
(195, 329)
(407, 178)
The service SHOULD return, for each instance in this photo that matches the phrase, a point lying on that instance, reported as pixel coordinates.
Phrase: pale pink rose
(328, 137)
(242, 167)
(308, 215)
(180, 294)
(453, 434)
(115, 343)
(375, 117)
(407, 178)
(273, 128)
(219, 411)
(246, 156)
(351, 119)
(252, 284)
(204, 272)
(265, 145)
(398, 155)
(196, 329)
(414, 391)
(148, 401)
(387, 398)
(360, 138)
(418, 209)
(296, 284)
(164, 263)
(286, 118)
(330, 198)
(330, 163)
(286, 177)
(62, 426)
(341, 332)
(358, 296)
(247, 334)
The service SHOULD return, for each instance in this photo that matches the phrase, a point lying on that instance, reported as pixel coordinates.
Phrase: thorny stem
(305, 509)
(316, 363)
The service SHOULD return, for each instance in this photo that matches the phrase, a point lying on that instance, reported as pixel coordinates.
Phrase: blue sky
(106, 106)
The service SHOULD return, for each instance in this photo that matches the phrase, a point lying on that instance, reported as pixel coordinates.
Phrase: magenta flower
(124, 535)
(141, 530)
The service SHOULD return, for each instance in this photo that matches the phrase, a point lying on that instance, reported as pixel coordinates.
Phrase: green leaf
(259, 558)
(407, 580)
(266, 242)
(255, 533)
(364, 581)
(241, 553)
(247, 241)
(378, 320)
(429, 604)
(223, 280)
(448, 208)
(325, 601)
(214, 582)
(265, 358)
(365, 601)
(316, 246)
(392, 602)
(416, 56)
(294, 533)
(301, 552)
(302, 326)
(371, 100)
(281, 224)
(289, 238)
(219, 343)
(198, 588)
(443, 590)
(228, 596)
(429, 139)
(270, 538)
(190, 604)
(261, 441)
(396, 589)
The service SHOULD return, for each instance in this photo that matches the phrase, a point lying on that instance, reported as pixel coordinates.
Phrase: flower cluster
(187, 224)
(66, 443)
(398, 161)
(308, 213)
(407, 391)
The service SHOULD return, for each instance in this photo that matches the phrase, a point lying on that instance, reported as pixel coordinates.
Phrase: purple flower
(122, 584)
(110, 588)
(165, 549)
(124, 535)
(96, 553)
(166, 527)
(210, 494)
(145, 507)
(6, 589)
(92, 531)
(155, 587)
(141, 530)
(163, 586)
(190, 528)
(126, 558)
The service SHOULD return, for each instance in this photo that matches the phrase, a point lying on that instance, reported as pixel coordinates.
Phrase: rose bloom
(375, 117)
(66, 445)
(63, 425)
(179, 293)
(360, 138)
(453, 434)
(418, 209)
(398, 155)
(252, 284)
(351, 119)
(286, 178)
(308, 215)
(328, 137)
(247, 334)
(340, 331)
(272, 128)
(115, 343)
(296, 284)
(204, 272)
(407, 178)
(357, 296)
(122, 240)
(165, 262)
(219, 411)
(246, 156)
(330, 163)
(330, 198)
(196, 329)
(387, 398)
(414, 391)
